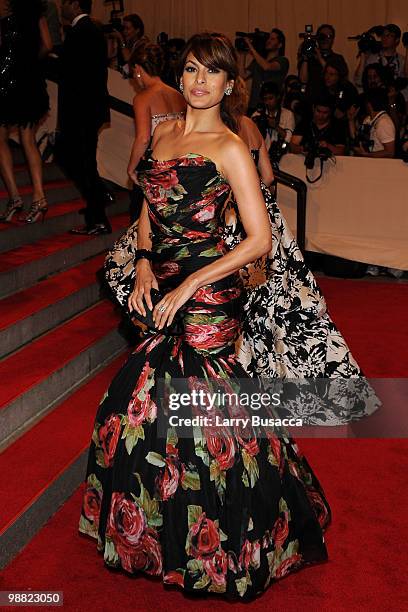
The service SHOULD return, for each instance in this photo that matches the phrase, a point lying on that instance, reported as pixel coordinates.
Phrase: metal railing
(288, 180)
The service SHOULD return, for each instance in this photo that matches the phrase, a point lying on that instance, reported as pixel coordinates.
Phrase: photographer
(324, 130)
(376, 75)
(387, 56)
(377, 134)
(311, 66)
(293, 98)
(127, 40)
(335, 84)
(273, 67)
(275, 123)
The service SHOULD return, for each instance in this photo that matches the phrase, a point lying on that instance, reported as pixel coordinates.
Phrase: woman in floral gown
(215, 511)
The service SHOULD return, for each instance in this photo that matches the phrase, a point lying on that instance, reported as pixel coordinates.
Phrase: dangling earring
(181, 86)
(138, 75)
(228, 91)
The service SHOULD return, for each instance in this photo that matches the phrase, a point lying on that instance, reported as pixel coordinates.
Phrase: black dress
(23, 92)
(214, 511)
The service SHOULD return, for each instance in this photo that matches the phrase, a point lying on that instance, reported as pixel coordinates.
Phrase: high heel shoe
(38, 208)
(14, 205)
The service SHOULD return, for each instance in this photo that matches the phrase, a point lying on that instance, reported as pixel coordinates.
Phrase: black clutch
(177, 326)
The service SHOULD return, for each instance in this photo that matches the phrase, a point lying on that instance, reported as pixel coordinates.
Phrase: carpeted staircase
(59, 348)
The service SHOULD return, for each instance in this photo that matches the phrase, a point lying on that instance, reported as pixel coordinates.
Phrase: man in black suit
(83, 107)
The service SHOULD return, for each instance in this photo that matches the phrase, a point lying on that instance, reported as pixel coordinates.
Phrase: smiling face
(203, 87)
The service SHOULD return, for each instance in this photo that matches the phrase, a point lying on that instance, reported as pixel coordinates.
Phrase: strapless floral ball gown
(207, 512)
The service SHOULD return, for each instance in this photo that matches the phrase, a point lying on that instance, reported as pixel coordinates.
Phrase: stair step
(39, 374)
(61, 216)
(56, 191)
(51, 172)
(40, 470)
(33, 311)
(23, 266)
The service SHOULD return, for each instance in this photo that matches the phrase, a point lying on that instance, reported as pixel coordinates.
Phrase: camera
(363, 137)
(366, 42)
(277, 149)
(261, 119)
(257, 37)
(114, 25)
(315, 151)
(309, 45)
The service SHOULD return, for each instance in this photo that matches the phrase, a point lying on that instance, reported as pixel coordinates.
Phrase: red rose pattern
(204, 538)
(213, 336)
(280, 531)
(221, 446)
(169, 479)
(108, 435)
(137, 545)
(140, 410)
(92, 505)
(287, 565)
(319, 507)
(216, 567)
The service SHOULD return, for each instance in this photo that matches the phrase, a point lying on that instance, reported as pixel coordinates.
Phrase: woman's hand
(249, 45)
(145, 280)
(172, 301)
(131, 172)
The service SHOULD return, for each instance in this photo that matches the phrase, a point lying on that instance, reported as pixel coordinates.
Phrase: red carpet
(56, 436)
(53, 244)
(55, 210)
(366, 485)
(365, 482)
(26, 189)
(56, 348)
(373, 317)
(23, 304)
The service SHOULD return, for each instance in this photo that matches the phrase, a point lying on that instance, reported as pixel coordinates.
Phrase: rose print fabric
(210, 512)
(286, 330)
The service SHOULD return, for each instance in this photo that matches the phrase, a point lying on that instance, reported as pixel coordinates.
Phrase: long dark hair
(215, 50)
(27, 13)
(282, 40)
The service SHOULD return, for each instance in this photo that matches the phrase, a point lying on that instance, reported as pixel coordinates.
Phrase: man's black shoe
(100, 228)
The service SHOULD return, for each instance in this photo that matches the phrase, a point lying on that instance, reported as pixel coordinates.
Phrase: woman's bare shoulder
(232, 144)
(163, 129)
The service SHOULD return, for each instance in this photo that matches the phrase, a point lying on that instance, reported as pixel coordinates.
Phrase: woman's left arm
(45, 36)
(240, 171)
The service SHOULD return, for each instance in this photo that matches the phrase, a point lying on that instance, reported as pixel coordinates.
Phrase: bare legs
(6, 164)
(27, 139)
(28, 142)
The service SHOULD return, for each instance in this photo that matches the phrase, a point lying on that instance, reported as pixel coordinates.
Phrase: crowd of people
(319, 109)
(320, 104)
